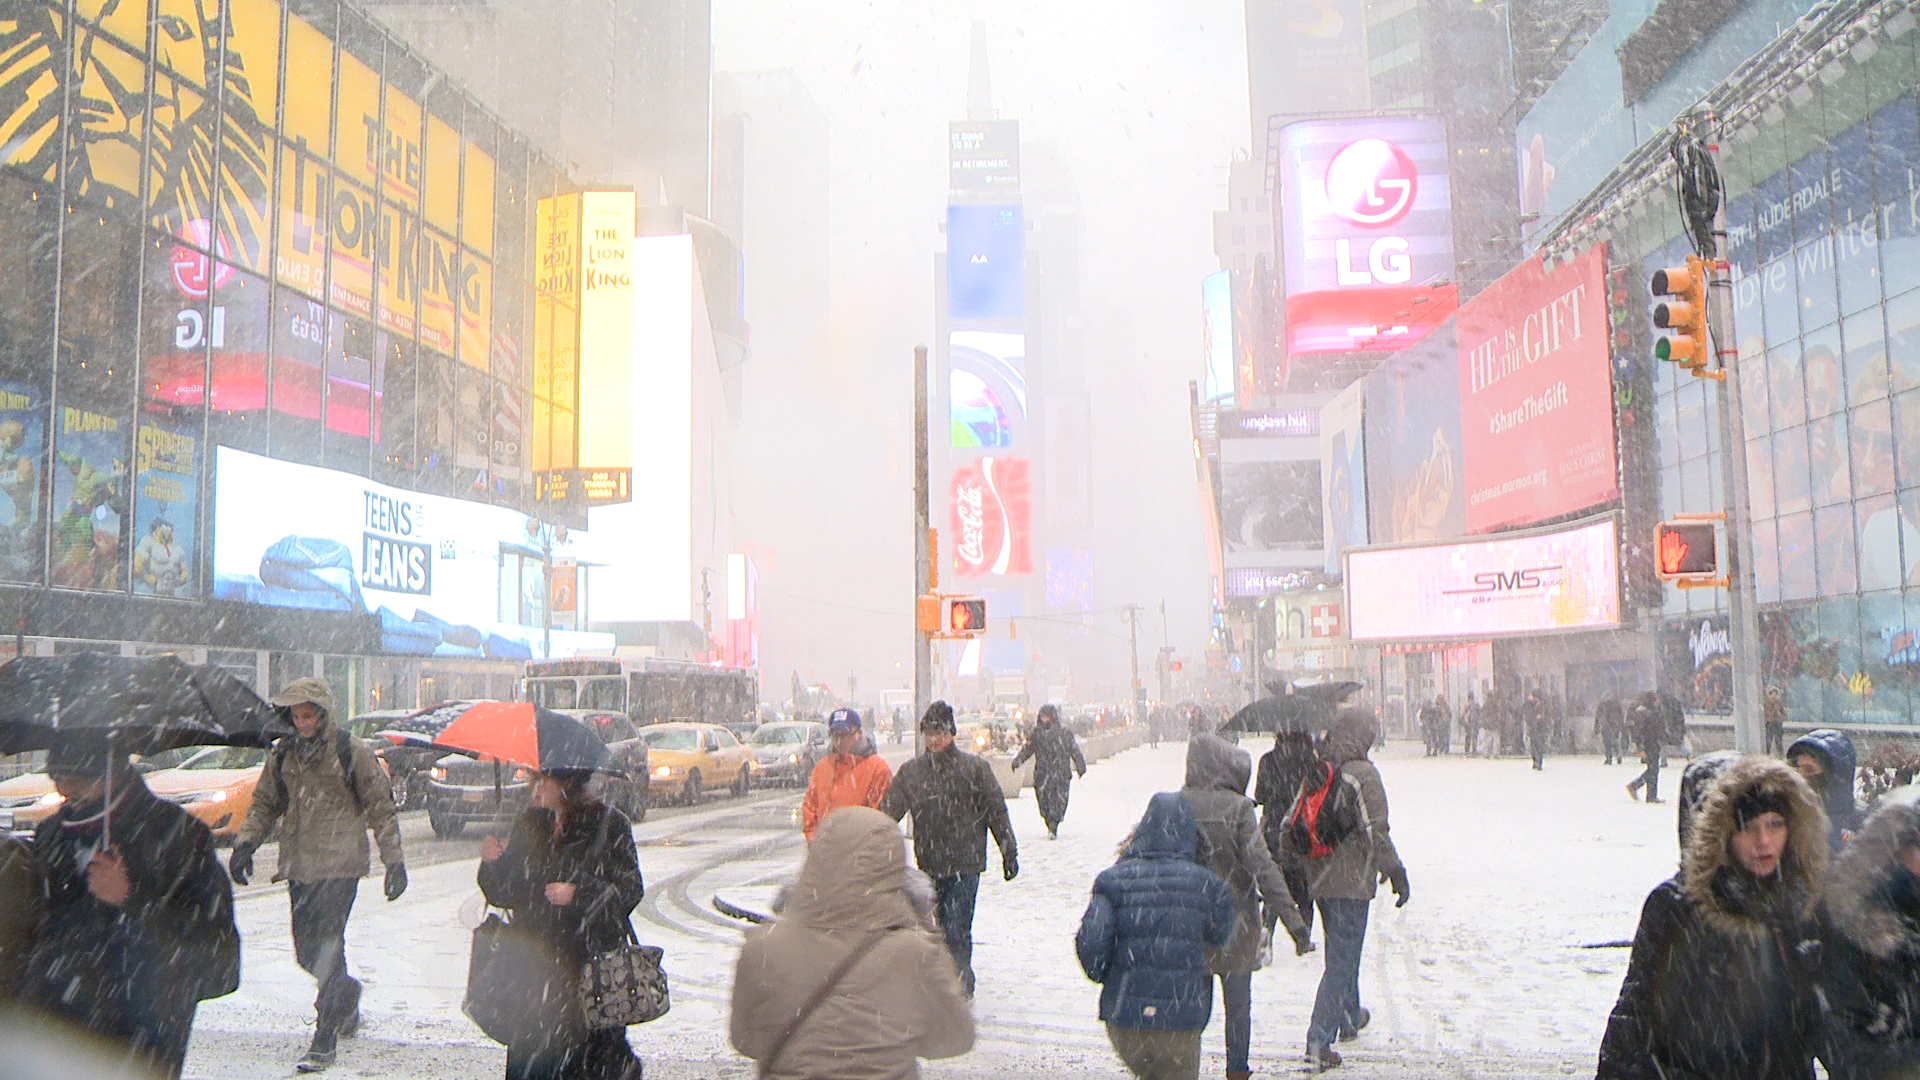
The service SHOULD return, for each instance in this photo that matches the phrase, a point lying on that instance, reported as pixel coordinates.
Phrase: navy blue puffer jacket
(1835, 786)
(1152, 917)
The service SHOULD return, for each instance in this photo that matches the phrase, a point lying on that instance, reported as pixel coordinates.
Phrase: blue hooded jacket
(1152, 917)
(1835, 751)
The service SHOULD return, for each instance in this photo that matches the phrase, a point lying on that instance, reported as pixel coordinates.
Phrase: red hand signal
(1673, 552)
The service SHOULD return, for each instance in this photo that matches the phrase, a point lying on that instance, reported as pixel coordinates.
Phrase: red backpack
(1325, 812)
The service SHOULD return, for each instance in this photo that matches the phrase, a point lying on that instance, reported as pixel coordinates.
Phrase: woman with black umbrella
(570, 876)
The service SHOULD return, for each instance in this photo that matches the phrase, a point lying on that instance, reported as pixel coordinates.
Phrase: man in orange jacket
(853, 775)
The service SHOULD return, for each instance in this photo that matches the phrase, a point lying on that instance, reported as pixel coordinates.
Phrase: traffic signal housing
(963, 616)
(1687, 550)
(1680, 313)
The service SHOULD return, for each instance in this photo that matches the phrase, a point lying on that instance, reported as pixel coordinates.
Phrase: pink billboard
(1567, 579)
(1536, 397)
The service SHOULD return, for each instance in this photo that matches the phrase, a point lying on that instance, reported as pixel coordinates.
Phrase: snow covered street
(1486, 973)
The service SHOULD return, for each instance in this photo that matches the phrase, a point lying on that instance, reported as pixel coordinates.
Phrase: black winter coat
(1870, 970)
(1276, 782)
(955, 801)
(1056, 757)
(134, 973)
(1720, 983)
(595, 854)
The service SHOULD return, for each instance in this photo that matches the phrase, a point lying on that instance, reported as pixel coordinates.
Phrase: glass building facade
(1824, 230)
(247, 223)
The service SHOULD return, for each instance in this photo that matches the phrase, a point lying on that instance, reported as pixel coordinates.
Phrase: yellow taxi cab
(28, 799)
(215, 785)
(685, 760)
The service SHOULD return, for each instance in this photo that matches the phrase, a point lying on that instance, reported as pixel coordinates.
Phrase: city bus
(649, 691)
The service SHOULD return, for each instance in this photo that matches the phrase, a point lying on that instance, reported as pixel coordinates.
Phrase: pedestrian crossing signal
(966, 616)
(1687, 549)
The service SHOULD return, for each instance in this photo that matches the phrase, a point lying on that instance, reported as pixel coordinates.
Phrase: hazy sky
(1148, 101)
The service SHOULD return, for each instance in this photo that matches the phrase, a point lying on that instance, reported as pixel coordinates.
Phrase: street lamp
(546, 535)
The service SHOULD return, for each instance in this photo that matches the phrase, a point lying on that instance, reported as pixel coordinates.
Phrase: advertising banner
(992, 517)
(1696, 663)
(23, 441)
(89, 485)
(1216, 313)
(1270, 500)
(1343, 468)
(986, 260)
(1568, 579)
(986, 389)
(1313, 58)
(1536, 394)
(1368, 232)
(983, 160)
(1413, 459)
(166, 483)
(435, 571)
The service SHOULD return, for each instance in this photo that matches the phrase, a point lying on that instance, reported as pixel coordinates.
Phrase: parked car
(785, 752)
(215, 785)
(629, 793)
(462, 791)
(690, 759)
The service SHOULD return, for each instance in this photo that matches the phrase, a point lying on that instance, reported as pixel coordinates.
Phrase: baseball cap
(843, 720)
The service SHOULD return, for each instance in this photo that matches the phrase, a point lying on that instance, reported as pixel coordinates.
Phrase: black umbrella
(137, 705)
(1303, 710)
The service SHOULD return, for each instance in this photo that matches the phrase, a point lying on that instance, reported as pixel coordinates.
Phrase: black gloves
(1397, 877)
(1010, 865)
(240, 864)
(396, 880)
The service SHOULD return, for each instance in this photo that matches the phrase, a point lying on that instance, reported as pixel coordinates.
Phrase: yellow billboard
(583, 347)
(606, 329)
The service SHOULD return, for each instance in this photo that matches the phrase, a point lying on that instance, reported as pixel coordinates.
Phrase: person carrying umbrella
(325, 789)
(1052, 748)
(138, 924)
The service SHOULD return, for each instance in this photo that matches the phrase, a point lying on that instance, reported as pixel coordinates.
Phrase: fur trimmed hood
(1708, 852)
(1859, 888)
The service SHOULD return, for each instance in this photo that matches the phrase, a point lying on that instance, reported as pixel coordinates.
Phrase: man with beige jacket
(326, 790)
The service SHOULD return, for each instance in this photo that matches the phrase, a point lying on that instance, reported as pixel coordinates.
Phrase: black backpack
(342, 744)
(1326, 811)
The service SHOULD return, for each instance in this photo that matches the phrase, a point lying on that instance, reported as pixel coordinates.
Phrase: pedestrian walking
(1343, 885)
(1720, 983)
(1152, 918)
(138, 926)
(851, 982)
(569, 877)
(1824, 758)
(1609, 724)
(1649, 730)
(325, 790)
(1538, 717)
(1232, 848)
(852, 774)
(1053, 750)
(955, 801)
(1470, 717)
(1276, 782)
(1774, 714)
(22, 900)
(1870, 954)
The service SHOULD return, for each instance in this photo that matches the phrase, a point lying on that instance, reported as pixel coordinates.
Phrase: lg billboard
(1368, 232)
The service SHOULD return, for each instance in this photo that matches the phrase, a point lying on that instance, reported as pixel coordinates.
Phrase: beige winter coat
(901, 1002)
(323, 834)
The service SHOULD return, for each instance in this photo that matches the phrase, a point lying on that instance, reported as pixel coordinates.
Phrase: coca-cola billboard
(992, 517)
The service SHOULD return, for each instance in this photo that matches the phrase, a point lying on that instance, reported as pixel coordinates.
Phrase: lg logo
(1372, 183)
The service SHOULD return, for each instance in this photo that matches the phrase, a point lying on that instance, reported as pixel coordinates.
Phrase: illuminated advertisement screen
(986, 253)
(1567, 579)
(1216, 306)
(1368, 233)
(992, 517)
(1343, 470)
(1536, 396)
(986, 389)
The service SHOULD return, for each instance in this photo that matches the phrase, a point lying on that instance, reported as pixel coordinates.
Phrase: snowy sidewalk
(1483, 974)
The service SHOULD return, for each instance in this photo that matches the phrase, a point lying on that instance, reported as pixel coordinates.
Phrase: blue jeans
(953, 902)
(1236, 998)
(1343, 926)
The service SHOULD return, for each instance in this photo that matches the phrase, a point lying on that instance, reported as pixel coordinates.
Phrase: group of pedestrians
(1789, 935)
(1506, 723)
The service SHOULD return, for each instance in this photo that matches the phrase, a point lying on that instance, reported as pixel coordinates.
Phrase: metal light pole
(922, 543)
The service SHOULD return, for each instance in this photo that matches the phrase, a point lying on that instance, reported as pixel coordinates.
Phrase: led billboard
(992, 517)
(1367, 231)
(983, 160)
(986, 249)
(986, 389)
(1412, 424)
(1566, 579)
(1343, 469)
(1216, 313)
(1536, 396)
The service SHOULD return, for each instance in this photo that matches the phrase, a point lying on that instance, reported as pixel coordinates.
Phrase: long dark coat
(1720, 982)
(134, 974)
(596, 855)
(955, 801)
(1056, 757)
(1870, 959)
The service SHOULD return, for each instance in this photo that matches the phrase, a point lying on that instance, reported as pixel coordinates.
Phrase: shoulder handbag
(818, 999)
(624, 985)
(505, 972)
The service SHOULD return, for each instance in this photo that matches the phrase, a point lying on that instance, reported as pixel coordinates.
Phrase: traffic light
(1680, 313)
(1687, 549)
(966, 616)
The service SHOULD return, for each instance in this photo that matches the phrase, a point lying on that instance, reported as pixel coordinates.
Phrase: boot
(349, 1023)
(1350, 1032)
(1239, 1076)
(1321, 1058)
(321, 1053)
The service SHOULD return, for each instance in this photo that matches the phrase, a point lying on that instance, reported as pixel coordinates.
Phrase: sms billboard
(1367, 229)
(1565, 579)
(1536, 396)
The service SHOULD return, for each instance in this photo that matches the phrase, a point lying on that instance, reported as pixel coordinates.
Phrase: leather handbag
(624, 986)
(504, 973)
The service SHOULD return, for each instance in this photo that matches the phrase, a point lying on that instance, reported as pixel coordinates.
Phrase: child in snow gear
(1144, 938)
(1052, 748)
(326, 790)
